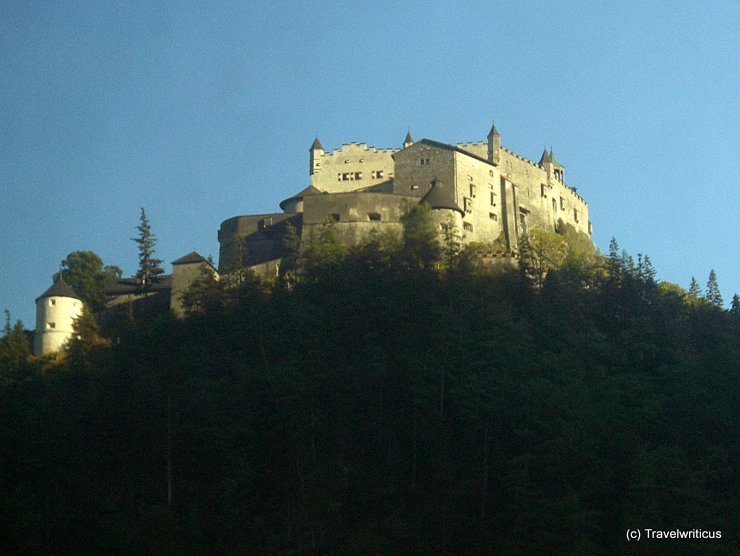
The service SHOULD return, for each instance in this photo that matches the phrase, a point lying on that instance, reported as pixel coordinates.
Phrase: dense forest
(404, 396)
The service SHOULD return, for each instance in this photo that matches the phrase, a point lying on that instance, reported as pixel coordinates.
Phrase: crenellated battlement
(493, 194)
(353, 148)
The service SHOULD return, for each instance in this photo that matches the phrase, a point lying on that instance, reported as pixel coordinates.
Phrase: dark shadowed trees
(149, 265)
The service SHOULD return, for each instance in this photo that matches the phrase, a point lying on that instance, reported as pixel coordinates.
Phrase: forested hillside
(400, 397)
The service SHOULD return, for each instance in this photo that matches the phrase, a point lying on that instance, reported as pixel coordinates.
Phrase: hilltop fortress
(491, 193)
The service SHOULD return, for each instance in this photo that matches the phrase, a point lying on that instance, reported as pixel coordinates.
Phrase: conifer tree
(16, 348)
(291, 245)
(614, 261)
(149, 266)
(694, 289)
(713, 295)
(420, 238)
(735, 306)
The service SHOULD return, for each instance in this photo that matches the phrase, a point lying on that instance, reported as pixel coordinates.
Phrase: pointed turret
(494, 146)
(316, 152)
(408, 141)
(554, 160)
(316, 145)
(558, 169)
(545, 158)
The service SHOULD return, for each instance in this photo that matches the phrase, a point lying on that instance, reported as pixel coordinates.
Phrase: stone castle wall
(354, 166)
(364, 189)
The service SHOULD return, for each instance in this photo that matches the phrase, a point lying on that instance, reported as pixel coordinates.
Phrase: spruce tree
(713, 295)
(735, 306)
(149, 266)
(694, 289)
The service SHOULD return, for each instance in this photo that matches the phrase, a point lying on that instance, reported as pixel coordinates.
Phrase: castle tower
(546, 163)
(317, 151)
(185, 271)
(56, 310)
(557, 168)
(408, 141)
(494, 146)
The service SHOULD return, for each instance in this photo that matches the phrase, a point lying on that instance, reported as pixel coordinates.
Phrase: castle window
(562, 203)
(339, 177)
(424, 162)
(377, 174)
(358, 175)
(554, 205)
(575, 215)
(265, 223)
(470, 178)
(345, 176)
(414, 187)
(493, 216)
(468, 204)
(334, 216)
(590, 227)
(361, 160)
(467, 226)
(472, 191)
(346, 161)
(543, 190)
(373, 216)
(490, 173)
(51, 325)
(493, 199)
(52, 302)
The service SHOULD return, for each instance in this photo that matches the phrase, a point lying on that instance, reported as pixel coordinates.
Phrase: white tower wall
(54, 323)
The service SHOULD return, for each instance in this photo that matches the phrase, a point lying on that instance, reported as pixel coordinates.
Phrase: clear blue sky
(201, 111)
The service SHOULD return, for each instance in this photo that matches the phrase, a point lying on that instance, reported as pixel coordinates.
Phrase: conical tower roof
(437, 197)
(60, 288)
(554, 161)
(545, 158)
(408, 138)
(316, 145)
(494, 131)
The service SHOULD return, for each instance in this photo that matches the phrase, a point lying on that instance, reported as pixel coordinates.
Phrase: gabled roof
(132, 285)
(316, 145)
(60, 288)
(190, 258)
(437, 198)
(447, 147)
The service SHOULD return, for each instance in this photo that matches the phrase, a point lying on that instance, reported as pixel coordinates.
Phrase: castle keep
(490, 192)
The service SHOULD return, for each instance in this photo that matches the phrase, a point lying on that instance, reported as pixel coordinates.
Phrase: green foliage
(713, 295)
(694, 289)
(735, 305)
(421, 246)
(206, 292)
(149, 266)
(386, 408)
(15, 352)
(85, 273)
(291, 248)
(323, 250)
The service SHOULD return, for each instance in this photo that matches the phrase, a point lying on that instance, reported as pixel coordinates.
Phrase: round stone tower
(56, 310)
